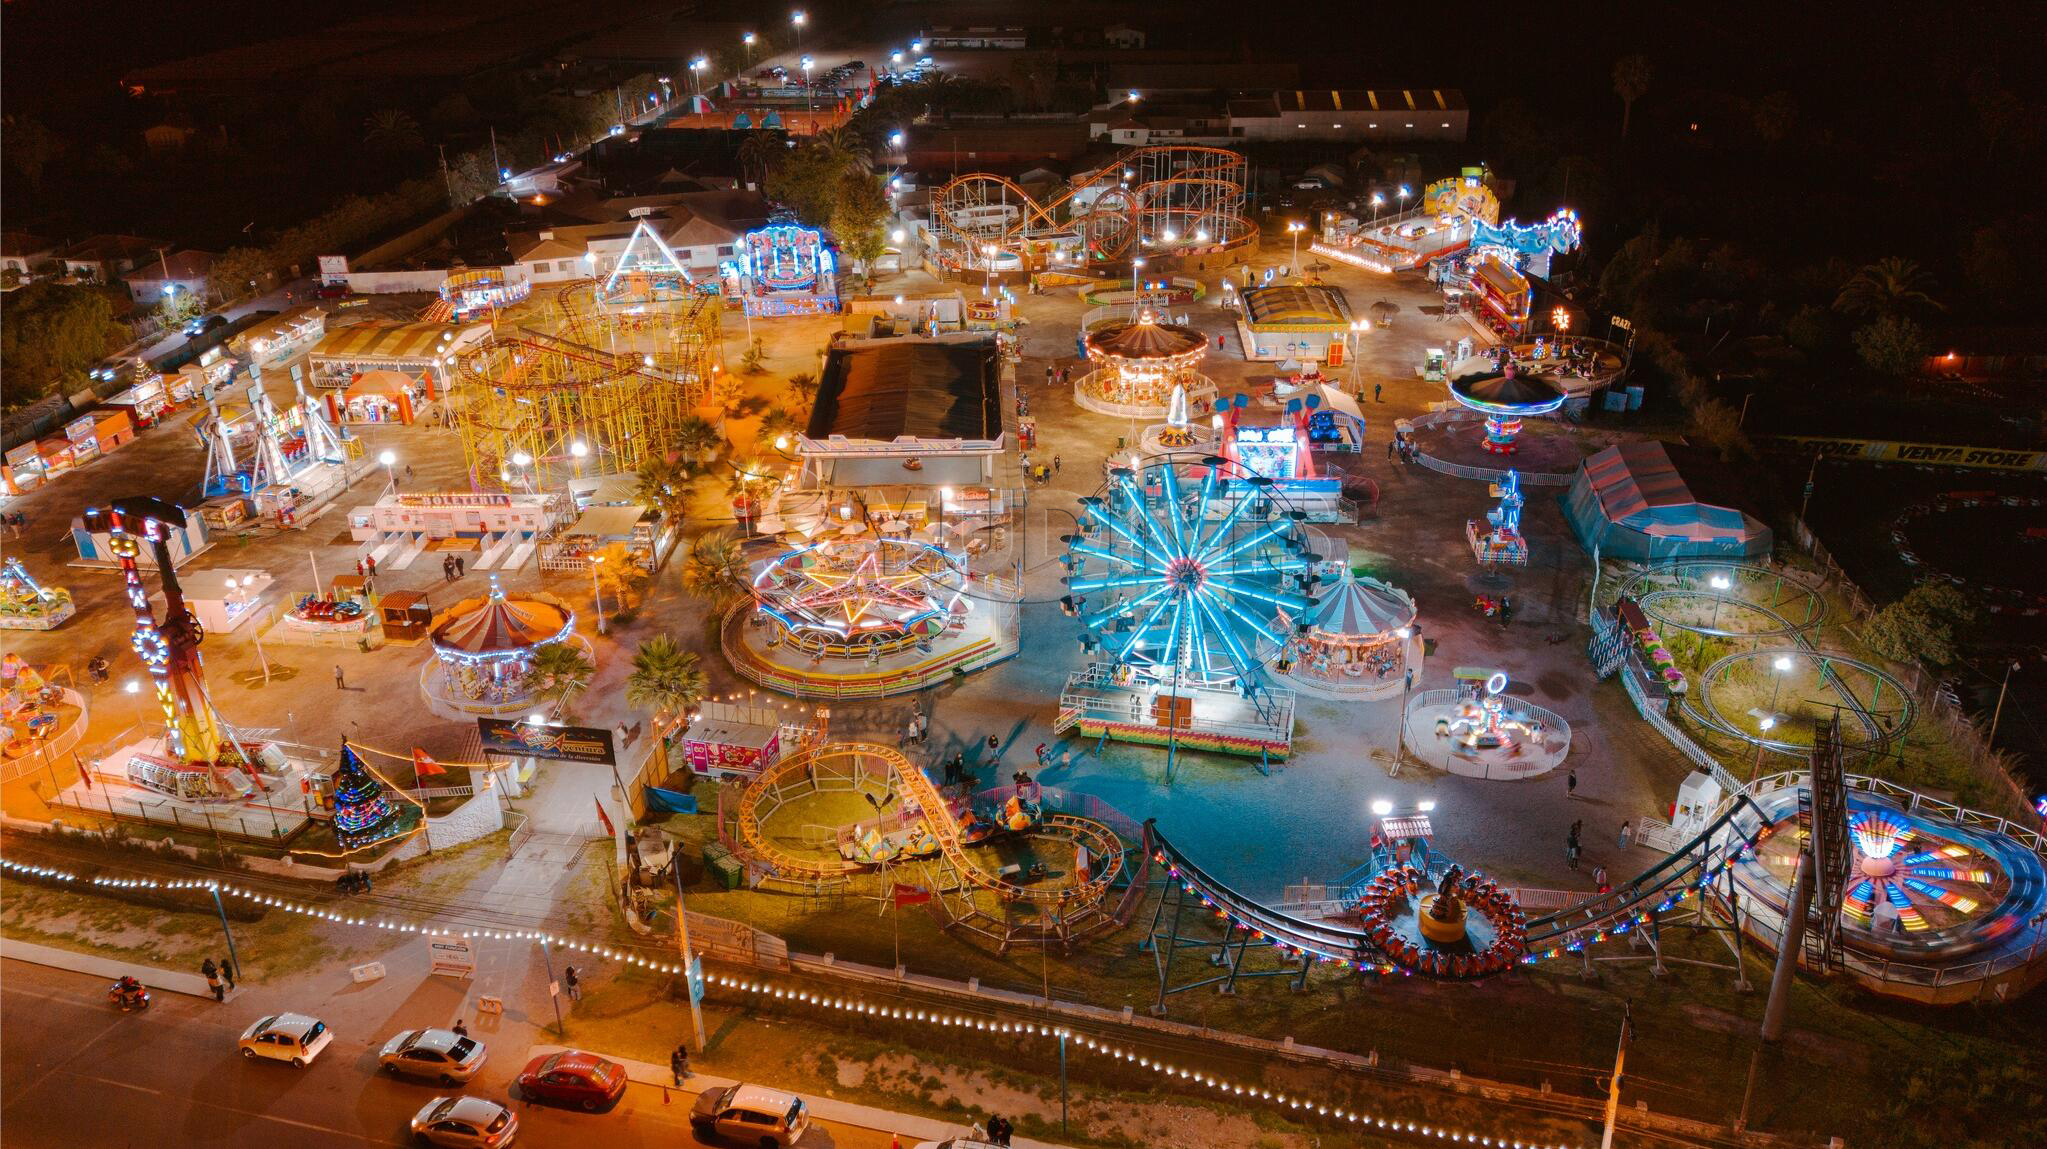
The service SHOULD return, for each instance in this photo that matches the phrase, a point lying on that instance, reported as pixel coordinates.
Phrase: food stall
(407, 616)
(145, 401)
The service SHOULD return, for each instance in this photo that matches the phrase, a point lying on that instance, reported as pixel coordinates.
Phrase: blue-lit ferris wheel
(1182, 567)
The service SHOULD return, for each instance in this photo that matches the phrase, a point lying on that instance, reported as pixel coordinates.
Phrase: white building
(702, 228)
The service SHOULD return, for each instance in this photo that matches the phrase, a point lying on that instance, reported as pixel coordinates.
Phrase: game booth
(783, 269)
(1274, 438)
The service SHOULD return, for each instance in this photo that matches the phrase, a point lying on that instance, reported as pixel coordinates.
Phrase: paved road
(81, 1073)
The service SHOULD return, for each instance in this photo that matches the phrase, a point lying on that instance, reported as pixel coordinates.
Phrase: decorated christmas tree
(363, 816)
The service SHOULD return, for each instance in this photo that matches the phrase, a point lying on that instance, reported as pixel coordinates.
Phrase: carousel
(483, 648)
(1139, 366)
(1357, 641)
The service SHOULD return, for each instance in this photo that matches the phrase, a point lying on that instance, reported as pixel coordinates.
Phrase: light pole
(1769, 722)
(1404, 633)
(809, 104)
(1378, 201)
(1358, 327)
(522, 460)
(697, 68)
(1561, 317)
(799, 19)
(578, 450)
(944, 493)
(597, 589)
(1720, 583)
(1997, 713)
(1782, 666)
(746, 45)
(388, 458)
(1403, 193)
(1295, 228)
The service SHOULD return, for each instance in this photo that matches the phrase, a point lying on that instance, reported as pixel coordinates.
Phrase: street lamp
(1295, 228)
(1382, 807)
(1768, 722)
(597, 590)
(944, 494)
(696, 68)
(389, 457)
(1406, 684)
(579, 450)
(522, 460)
(746, 42)
(799, 19)
(1718, 582)
(808, 104)
(1378, 201)
(1782, 666)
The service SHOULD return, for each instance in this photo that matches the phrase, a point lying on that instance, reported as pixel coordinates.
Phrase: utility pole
(1613, 1089)
(1790, 940)
(553, 989)
(232, 955)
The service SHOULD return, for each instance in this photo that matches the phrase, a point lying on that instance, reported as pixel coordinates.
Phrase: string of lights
(1293, 1104)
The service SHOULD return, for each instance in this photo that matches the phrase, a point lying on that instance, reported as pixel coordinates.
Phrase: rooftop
(927, 389)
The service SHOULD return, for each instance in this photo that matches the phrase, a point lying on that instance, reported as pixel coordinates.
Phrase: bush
(1892, 345)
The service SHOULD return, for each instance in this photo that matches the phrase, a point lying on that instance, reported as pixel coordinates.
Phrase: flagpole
(1613, 1091)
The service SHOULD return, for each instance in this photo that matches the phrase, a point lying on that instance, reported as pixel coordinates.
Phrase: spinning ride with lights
(783, 269)
(1505, 398)
(864, 599)
(1921, 888)
(483, 648)
(26, 604)
(1194, 557)
(1140, 367)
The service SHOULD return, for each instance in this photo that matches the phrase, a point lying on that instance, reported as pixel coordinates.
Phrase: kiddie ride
(1469, 927)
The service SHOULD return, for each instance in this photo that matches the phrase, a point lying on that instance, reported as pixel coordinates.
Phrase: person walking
(1375, 394)
(1627, 834)
(1390, 445)
(1571, 787)
(227, 971)
(1571, 851)
(1055, 464)
(678, 1064)
(213, 981)
(447, 568)
(371, 563)
(459, 572)
(575, 987)
(994, 751)
(340, 680)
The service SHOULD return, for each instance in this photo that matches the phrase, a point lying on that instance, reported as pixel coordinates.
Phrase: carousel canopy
(1509, 390)
(500, 626)
(390, 383)
(1361, 608)
(1146, 340)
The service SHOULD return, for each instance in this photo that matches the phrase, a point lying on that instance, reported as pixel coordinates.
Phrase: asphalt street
(80, 1072)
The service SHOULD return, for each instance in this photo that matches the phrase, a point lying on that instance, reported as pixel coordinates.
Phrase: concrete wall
(481, 816)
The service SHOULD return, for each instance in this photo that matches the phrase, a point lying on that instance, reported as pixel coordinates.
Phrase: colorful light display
(1194, 573)
(363, 816)
(169, 651)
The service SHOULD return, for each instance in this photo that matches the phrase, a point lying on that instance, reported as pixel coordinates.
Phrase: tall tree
(392, 131)
(1631, 76)
(665, 679)
(860, 218)
(697, 440)
(51, 334)
(716, 568)
(662, 486)
(1892, 285)
(559, 673)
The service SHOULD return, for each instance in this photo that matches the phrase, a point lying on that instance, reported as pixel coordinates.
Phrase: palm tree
(845, 149)
(777, 425)
(392, 130)
(557, 673)
(1631, 75)
(665, 679)
(804, 384)
(697, 440)
(664, 487)
(716, 567)
(1890, 286)
(757, 154)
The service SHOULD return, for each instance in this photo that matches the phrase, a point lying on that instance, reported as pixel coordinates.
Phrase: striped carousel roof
(1146, 339)
(1361, 607)
(498, 625)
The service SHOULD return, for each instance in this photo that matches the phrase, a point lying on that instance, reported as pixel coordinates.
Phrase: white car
(957, 1143)
(466, 1122)
(292, 1037)
(750, 1115)
(443, 1054)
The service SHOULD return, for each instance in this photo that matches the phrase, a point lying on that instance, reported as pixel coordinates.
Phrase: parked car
(331, 290)
(443, 1054)
(465, 1122)
(292, 1037)
(201, 324)
(957, 1143)
(572, 1077)
(750, 1114)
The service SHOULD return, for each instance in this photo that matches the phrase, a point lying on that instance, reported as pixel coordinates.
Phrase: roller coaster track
(1654, 887)
(915, 789)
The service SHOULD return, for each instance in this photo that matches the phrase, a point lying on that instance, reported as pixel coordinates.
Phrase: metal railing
(265, 828)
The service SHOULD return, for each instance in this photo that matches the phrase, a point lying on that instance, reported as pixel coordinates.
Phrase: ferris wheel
(1181, 567)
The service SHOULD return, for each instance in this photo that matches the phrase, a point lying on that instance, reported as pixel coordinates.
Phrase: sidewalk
(910, 1129)
(163, 979)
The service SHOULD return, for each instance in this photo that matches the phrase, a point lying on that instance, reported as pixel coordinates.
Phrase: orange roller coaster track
(1168, 198)
(864, 759)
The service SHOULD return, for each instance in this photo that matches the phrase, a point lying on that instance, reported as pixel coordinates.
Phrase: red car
(572, 1077)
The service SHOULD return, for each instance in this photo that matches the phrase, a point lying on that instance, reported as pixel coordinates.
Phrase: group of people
(220, 976)
(451, 567)
(998, 1131)
(1501, 608)
(1399, 883)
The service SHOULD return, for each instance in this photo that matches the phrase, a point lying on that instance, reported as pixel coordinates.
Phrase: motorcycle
(128, 997)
